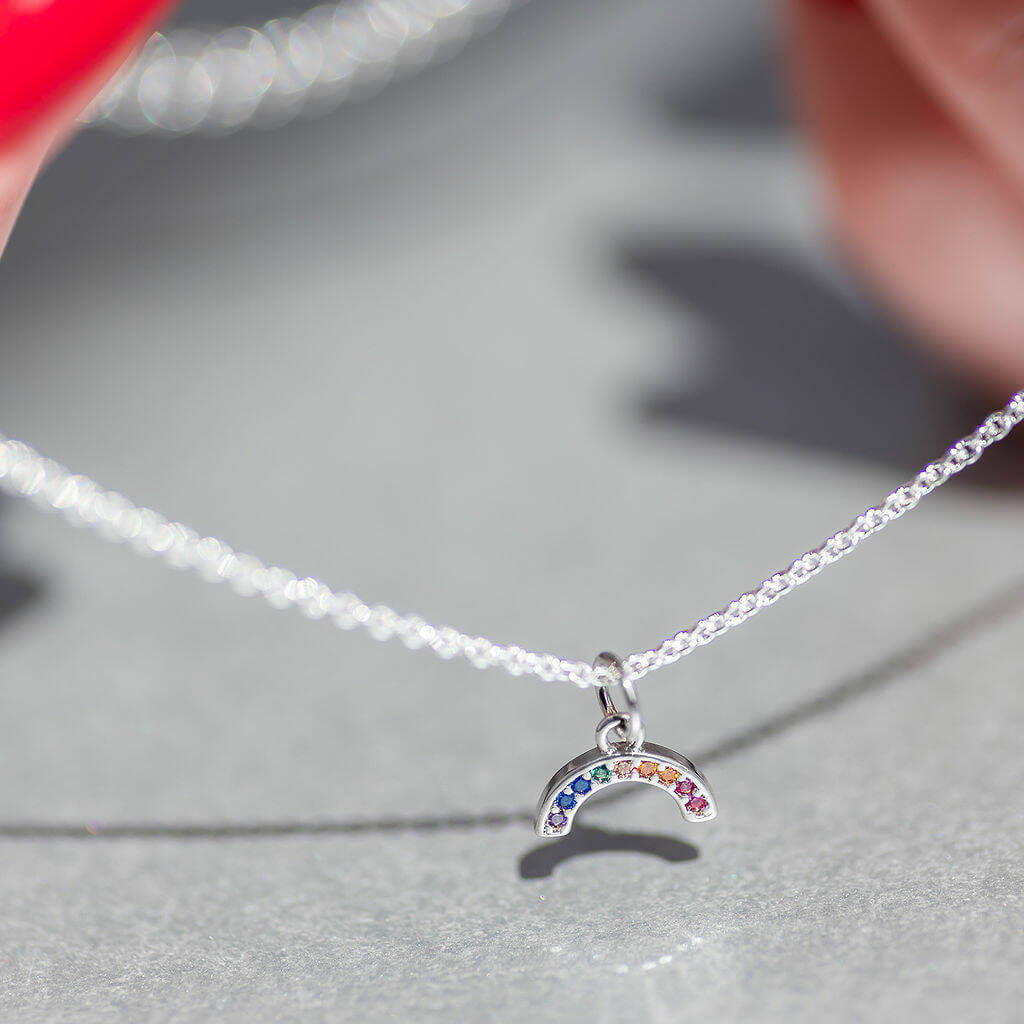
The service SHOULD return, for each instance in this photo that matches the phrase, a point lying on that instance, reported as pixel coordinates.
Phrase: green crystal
(600, 773)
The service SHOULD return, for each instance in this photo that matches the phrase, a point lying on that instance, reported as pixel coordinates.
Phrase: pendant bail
(627, 726)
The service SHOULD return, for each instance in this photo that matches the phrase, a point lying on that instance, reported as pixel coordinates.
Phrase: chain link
(225, 79)
(83, 502)
(965, 452)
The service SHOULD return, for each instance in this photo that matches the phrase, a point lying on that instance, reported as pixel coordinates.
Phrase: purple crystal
(556, 819)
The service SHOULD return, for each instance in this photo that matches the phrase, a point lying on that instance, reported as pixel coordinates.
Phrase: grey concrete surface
(545, 345)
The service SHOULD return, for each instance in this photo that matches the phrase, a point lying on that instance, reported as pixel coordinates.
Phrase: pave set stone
(669, 777)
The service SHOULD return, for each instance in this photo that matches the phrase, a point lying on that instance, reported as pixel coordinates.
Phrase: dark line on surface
(267, 829)
(926, 650)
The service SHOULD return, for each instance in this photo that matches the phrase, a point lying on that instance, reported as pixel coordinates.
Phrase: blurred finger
(972, 53)
(925, 213)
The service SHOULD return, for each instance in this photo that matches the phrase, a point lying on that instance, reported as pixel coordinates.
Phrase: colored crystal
(685, 788)
(697, 805)
(600, 773)
(624, 769)
(556, 819)
(668, 775)
(647, 769)
(581, 785)
(567, 801)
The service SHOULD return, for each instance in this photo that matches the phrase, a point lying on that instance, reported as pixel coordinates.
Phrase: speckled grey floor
(543, 345)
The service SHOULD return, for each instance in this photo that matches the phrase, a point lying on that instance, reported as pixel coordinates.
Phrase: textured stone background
(544, 344)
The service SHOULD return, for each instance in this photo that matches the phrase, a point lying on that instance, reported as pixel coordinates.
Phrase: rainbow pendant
(626, 758)
(576, 782)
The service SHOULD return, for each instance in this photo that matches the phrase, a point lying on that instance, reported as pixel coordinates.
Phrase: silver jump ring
(617, 724)
(627, 723)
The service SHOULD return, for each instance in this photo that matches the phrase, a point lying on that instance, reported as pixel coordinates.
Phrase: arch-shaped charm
(653, 764)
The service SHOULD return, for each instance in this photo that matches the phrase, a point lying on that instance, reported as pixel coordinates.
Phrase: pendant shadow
(541, 861)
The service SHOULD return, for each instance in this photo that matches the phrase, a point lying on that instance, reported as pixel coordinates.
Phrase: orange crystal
(647, 769)
(668, 775)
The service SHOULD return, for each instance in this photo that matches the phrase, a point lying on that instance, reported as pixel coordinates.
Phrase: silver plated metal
(50, 486)
(626, 725)
(613, 731)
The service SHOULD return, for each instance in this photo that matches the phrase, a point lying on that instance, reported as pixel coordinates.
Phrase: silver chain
(26, 473)
(222, 80)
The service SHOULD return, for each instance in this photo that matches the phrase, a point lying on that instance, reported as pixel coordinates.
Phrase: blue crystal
(581, 786)
(567, 801)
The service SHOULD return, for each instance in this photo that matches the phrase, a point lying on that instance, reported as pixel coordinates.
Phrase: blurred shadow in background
(795, 359)
(18, 590)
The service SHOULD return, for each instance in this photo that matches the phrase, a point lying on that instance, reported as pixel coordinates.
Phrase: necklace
(622, 752)
(221, 80)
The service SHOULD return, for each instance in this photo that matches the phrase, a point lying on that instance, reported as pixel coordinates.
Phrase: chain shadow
(925, 650)
(266, 829)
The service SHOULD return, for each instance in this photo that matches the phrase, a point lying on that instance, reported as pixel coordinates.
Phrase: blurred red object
(55, 55)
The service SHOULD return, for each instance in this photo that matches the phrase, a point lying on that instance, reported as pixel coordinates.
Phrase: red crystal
(685, 788)
(697, 805)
